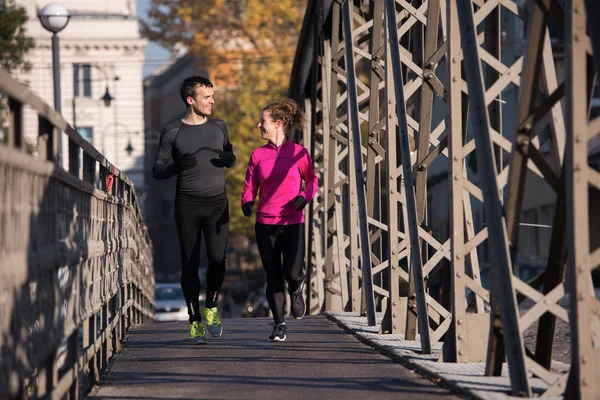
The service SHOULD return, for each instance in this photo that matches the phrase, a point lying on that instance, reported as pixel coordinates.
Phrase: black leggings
(275, 241)
(193, 217)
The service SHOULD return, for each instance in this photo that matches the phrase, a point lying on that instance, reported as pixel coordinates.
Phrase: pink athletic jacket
(277, 174)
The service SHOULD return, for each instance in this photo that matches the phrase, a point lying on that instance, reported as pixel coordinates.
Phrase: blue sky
(156, 55)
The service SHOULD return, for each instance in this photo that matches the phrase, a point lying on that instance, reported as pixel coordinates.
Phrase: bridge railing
(432, 125)
(75, 256)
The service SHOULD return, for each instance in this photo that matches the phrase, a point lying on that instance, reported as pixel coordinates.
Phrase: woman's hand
(247, 208)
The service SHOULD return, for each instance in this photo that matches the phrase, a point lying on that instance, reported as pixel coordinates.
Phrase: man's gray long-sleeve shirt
(205, 142)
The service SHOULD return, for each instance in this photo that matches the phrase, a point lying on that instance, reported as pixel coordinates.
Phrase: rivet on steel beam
(395, 327)
(454, 60)
(455, 79)
(576, 37)
(456, 177)
(580, 269)
(584, 359)
(394, 315)
(475, 276)
(461, 352)
(456, 158)
(580, 297)
(577, 10)
(459, 274)
(585, 381)
(422, 167)
(460, 337)
(578, 167)
(577, 139)
(393, 303)
(392, 191)
(459, 321)
(457, 257)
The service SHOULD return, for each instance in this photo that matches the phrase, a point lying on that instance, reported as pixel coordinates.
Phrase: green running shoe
(197, 334)
(213, 321)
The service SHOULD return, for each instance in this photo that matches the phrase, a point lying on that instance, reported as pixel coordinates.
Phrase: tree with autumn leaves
(248, 48)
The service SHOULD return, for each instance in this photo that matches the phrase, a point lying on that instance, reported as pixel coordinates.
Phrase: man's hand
(299, 202)
(227, 156)
(187, 161)
(247, 208)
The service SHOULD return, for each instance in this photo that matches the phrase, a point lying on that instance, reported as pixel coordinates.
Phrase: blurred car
(256, 304)
(170, 302)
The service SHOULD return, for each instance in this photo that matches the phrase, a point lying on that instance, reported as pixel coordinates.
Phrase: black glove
(186, 161)
(227, 156)
(247, 208)
(299, 202)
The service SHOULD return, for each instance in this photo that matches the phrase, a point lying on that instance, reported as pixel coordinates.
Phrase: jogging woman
(276, 172)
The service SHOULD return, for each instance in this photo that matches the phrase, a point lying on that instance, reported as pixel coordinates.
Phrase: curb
(433, 376)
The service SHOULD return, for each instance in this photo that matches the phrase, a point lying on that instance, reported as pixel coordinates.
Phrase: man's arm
(162, 169)
(227, 157)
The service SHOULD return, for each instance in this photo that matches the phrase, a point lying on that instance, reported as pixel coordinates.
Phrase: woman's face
(268, 128)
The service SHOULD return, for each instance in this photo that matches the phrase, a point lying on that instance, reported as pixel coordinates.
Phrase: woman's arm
(251, 182)
(307, 172)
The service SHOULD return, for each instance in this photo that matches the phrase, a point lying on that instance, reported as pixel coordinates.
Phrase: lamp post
(54, 18)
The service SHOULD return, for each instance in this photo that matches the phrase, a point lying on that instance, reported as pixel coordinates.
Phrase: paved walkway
(319, 360)
(465, 378)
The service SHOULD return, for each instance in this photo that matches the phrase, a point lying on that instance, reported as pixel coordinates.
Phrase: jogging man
(200, 150)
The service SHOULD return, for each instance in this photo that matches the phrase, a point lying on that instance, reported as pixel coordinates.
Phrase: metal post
(358, 165)
(501, 269)
(416, 262)
(584, 382)
(57, 101)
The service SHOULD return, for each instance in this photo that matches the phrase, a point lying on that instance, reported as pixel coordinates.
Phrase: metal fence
(75, 257)
(395, 88)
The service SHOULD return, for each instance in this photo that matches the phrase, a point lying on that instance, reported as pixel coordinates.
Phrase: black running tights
(277, 242)
(195, 216)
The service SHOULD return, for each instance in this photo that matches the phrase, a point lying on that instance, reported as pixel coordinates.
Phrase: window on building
(82, 80)
(87, 133)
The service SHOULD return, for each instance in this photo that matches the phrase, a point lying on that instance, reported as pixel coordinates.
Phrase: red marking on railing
(110, 179)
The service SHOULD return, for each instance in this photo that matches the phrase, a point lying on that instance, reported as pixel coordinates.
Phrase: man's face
(267, 126)
(202, 101)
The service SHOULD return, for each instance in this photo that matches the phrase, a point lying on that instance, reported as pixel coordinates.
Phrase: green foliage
(248, 47)
(14, 44)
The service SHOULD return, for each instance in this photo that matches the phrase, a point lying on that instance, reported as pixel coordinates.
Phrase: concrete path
(319, 360)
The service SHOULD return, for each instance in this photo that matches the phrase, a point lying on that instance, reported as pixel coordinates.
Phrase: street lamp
(54, 18)
(129, 149)
(107, 98)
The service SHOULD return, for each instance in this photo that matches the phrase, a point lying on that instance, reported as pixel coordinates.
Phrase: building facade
(101, 54)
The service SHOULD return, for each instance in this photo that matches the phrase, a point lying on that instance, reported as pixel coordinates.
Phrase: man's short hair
(189, 85)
